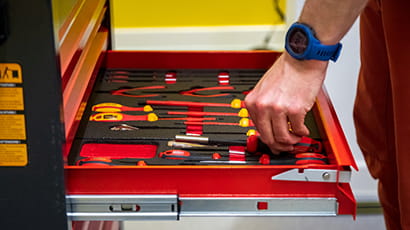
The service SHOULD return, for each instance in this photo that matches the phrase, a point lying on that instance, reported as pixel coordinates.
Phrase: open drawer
(102, 189)
(117, 167)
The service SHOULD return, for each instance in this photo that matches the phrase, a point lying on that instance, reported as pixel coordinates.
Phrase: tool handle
(307, 144)
(254, 144)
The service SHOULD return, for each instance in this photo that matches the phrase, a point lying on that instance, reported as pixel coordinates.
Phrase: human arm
(288, 89)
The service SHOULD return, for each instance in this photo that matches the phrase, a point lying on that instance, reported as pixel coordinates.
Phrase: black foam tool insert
(133, 87)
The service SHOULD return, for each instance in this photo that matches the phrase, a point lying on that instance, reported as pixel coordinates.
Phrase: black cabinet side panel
(32, 196)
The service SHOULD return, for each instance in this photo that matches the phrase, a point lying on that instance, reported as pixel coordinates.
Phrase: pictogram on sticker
(10, 73)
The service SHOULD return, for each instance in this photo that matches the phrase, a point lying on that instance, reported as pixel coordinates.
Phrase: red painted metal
(194, 181)
(333, 131)
(191, 59)
(118, 151)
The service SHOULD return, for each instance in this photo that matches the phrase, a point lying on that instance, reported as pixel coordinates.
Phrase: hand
(280, 101)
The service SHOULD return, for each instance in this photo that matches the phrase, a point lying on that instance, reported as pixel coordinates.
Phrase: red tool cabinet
(169, 192)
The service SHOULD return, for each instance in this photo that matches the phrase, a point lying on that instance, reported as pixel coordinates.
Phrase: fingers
(267, 133)
(273, 127)
(297, 124)
(284, 139)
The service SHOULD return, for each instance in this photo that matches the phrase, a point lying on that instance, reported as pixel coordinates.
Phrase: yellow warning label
(13, 155)
(11, 98)
(10, 73)
(12, 127)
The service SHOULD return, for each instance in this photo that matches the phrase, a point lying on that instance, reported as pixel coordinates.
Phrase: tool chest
(162, 135)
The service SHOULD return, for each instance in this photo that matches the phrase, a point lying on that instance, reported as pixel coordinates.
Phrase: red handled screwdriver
(242, 113)
(244, 122)
(235, 103)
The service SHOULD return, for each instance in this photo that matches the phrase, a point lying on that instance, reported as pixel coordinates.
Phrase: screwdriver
(115, 107)
(235, 103)
(112, 117)
(254, 144)
(242, 113)
(244, 122)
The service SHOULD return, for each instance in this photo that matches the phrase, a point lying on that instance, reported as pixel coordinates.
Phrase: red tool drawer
(104, 190)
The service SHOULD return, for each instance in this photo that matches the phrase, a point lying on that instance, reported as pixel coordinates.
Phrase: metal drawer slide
(170, 207)
(240, 206)
(122, 207)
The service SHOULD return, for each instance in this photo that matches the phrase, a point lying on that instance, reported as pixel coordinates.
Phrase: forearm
(331, 19)
(288, 90)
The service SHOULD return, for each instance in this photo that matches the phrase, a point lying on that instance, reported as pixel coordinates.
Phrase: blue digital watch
(302, 44)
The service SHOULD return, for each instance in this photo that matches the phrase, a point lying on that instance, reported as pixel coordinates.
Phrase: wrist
(305, 65)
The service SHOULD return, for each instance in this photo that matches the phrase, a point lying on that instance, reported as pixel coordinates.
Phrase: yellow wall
(176, 13)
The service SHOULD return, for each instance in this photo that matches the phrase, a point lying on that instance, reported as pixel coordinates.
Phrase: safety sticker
(12, 127)
(10, 73)
(13, 139)
(11, 98)
(13, 155)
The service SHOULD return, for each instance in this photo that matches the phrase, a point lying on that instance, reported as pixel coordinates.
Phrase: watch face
(298, 40)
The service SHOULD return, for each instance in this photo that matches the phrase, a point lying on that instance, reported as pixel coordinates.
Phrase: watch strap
(324, 52)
